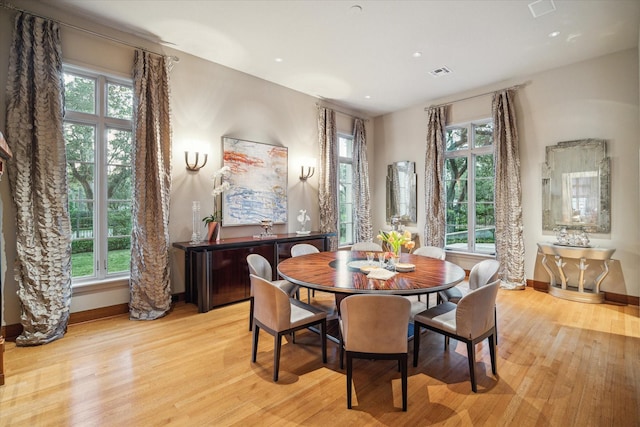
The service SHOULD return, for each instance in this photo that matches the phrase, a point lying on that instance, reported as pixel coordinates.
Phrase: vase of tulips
(395, 240)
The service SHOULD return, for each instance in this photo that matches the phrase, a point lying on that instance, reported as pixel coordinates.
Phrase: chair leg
(276, 356)
(446, 342)
(495, 322)
(349, 378)
(471, 355)
(341, 344)
(416, 343)
(254, 350)
(492, 352)
(403, 364)
(251, 302)
(323, 337)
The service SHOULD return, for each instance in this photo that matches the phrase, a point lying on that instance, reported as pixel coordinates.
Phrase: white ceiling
(331, 51)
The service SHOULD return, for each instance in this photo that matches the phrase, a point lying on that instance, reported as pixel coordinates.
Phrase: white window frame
(102, 124)
(470, 154)
(346, 160)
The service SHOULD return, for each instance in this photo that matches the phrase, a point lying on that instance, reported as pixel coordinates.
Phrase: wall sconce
(195, 166)
(307, 169)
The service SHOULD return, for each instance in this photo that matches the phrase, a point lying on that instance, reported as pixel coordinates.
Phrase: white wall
(592, 99)
(208, 101)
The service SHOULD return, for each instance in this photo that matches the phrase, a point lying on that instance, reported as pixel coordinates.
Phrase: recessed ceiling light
(367, 97)
(554, 34)
(278, 59)
(417, 54)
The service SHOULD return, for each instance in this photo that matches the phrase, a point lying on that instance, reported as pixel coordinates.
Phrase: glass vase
(195, 222)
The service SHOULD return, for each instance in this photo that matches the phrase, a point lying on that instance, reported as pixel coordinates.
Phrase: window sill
(90, 287)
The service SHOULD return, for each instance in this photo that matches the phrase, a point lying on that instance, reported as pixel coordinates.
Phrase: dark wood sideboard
(216, 273)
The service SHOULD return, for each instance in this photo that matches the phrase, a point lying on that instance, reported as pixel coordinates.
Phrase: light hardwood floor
(560, 363)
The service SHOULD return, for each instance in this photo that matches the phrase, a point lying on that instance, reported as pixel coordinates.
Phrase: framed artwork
(257, 183)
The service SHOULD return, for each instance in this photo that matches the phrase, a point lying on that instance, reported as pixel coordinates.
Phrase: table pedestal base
(574, 295)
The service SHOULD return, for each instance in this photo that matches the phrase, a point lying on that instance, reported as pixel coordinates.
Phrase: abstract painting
(257, 183)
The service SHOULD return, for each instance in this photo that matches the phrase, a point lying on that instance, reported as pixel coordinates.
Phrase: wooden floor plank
(559, 363)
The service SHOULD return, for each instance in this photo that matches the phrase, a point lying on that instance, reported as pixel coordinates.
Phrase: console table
(564, 290)
(216, 273)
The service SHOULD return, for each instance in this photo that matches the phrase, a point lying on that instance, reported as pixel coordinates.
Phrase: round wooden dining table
(334, 272)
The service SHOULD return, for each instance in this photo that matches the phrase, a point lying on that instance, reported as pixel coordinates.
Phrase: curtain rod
(318, 104)
(518, 86)
(75, 27)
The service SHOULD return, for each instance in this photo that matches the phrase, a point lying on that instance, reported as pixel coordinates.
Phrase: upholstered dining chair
(482, 273)
(471, 320)
(259, 266)
(374, 327)
(304, 249)
(279, 314)
(431, 252)
(366, 246)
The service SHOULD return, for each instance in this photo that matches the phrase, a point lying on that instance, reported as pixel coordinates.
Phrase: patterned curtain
(38, 179)
(149, 287)
(434, 202)
(328, 191)
(508, 194)
(361, 183)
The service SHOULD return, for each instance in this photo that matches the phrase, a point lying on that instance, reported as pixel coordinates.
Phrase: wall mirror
(402, 193)
(576, 189)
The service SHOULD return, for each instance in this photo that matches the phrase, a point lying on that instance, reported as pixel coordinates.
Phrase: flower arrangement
(394, 240)
(303, 218)
(223, 172)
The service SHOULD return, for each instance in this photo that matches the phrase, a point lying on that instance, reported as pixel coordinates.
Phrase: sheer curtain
(508, 193)
(327, 179)
(434, 201)
(361, 183)
(149, 287)
(38, 179)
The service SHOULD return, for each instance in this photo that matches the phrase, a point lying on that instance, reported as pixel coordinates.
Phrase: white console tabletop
(564, 290)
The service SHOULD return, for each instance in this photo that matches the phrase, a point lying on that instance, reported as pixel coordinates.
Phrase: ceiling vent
(440, 72)
(541, 7)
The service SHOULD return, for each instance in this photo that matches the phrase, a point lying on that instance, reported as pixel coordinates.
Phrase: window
(346, 227)
(469, 187)
(98, 135)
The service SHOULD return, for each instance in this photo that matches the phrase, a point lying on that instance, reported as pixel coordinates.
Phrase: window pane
(119, 254)
(80, 142)
(484, 166)
(455, 168)
(485, 228)
(457, 228)
(483, 134)
(345, 147)
(119, 101)
(82, 258)
(118, 147)
(79, 94)
(456, 139)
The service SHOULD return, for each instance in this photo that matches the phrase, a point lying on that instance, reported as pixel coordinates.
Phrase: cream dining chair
(366, 246)
(471, 320)
(304, 249)
(429, 252)
(374, 327)
(259, 266)
(278, 314)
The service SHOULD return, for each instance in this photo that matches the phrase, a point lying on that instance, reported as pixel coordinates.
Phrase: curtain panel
(327, 179)
(508, 192)
(150, 293)
(361, 183)
(38, 179)
(434, 199)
